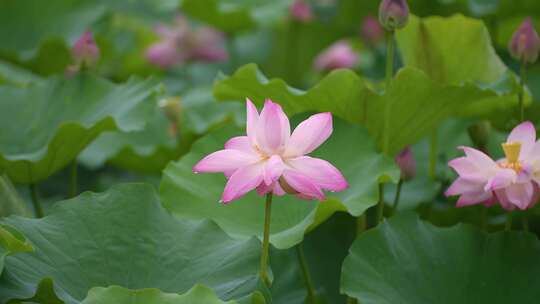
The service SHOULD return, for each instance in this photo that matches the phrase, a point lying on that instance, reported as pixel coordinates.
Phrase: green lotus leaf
(48, 123)
(451, 50)
(118, 295)
(406, 260)
(152, 148)
(411, 108)
(197, 196)
(124, 237)
(11, 242)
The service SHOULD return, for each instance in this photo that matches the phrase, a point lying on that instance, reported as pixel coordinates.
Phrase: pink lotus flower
(525, 42)
(301, 11)
(181, 43)
(271, 159)
(512, 181)
(340, 55)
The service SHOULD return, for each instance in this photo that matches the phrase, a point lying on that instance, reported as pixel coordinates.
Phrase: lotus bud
(525, 43)
(406, 163)
(85, 51)
(163, 54)
(393, 14)
(479, 134)
(172, 107)
(371, 30)
(340, 55)
(301, 11)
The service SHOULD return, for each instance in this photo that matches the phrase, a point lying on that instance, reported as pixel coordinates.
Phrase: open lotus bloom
(512, 181)
(271, 159)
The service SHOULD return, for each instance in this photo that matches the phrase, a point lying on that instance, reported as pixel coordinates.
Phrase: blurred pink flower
(181, 43)
(371, 30)
(525, 42)
(406, 163)
(85, 50)
(512, 181)
(337, 56)
(271, 159)
(301, 11)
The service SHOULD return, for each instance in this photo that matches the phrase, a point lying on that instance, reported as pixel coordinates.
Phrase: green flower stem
(397, 196)
(389, 57)
(522, 81)
(525, 223)
(351, 301)
(380, 207)
(305, 273)
(73, 179)
(433, 155)
(508, 224)
(38, 210)
(484, 219)
(361, 224)
(266, 240)
(230, 39)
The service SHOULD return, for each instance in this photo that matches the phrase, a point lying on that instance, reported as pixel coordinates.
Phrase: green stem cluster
(521, 96)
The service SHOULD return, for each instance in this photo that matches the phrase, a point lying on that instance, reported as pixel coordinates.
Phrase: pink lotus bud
(393, 14)
(301, 11)
(371, 30)
(85, 51)
(337, 56)
(406, 163)
(163, 54)
(525, 43)
(208, 45)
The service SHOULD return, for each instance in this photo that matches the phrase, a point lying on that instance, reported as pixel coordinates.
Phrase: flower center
(511, 151)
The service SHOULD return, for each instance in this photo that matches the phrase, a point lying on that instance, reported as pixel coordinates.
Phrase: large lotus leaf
(191, 195)
(11, 242)
(411, 108)
(119, 295)
(452, 50)
(406, 260)
(48, 123)
(150, 149)
(124, 237)
(15, 75)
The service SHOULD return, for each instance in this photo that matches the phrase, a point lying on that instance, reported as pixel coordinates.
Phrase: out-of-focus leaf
(406, 261)
(191, 195)
(124, 237)
(150, 150)
(235, 15)
(11, 242)
(409, 110)
(10, 200)
(48, 123)
(118, 295)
